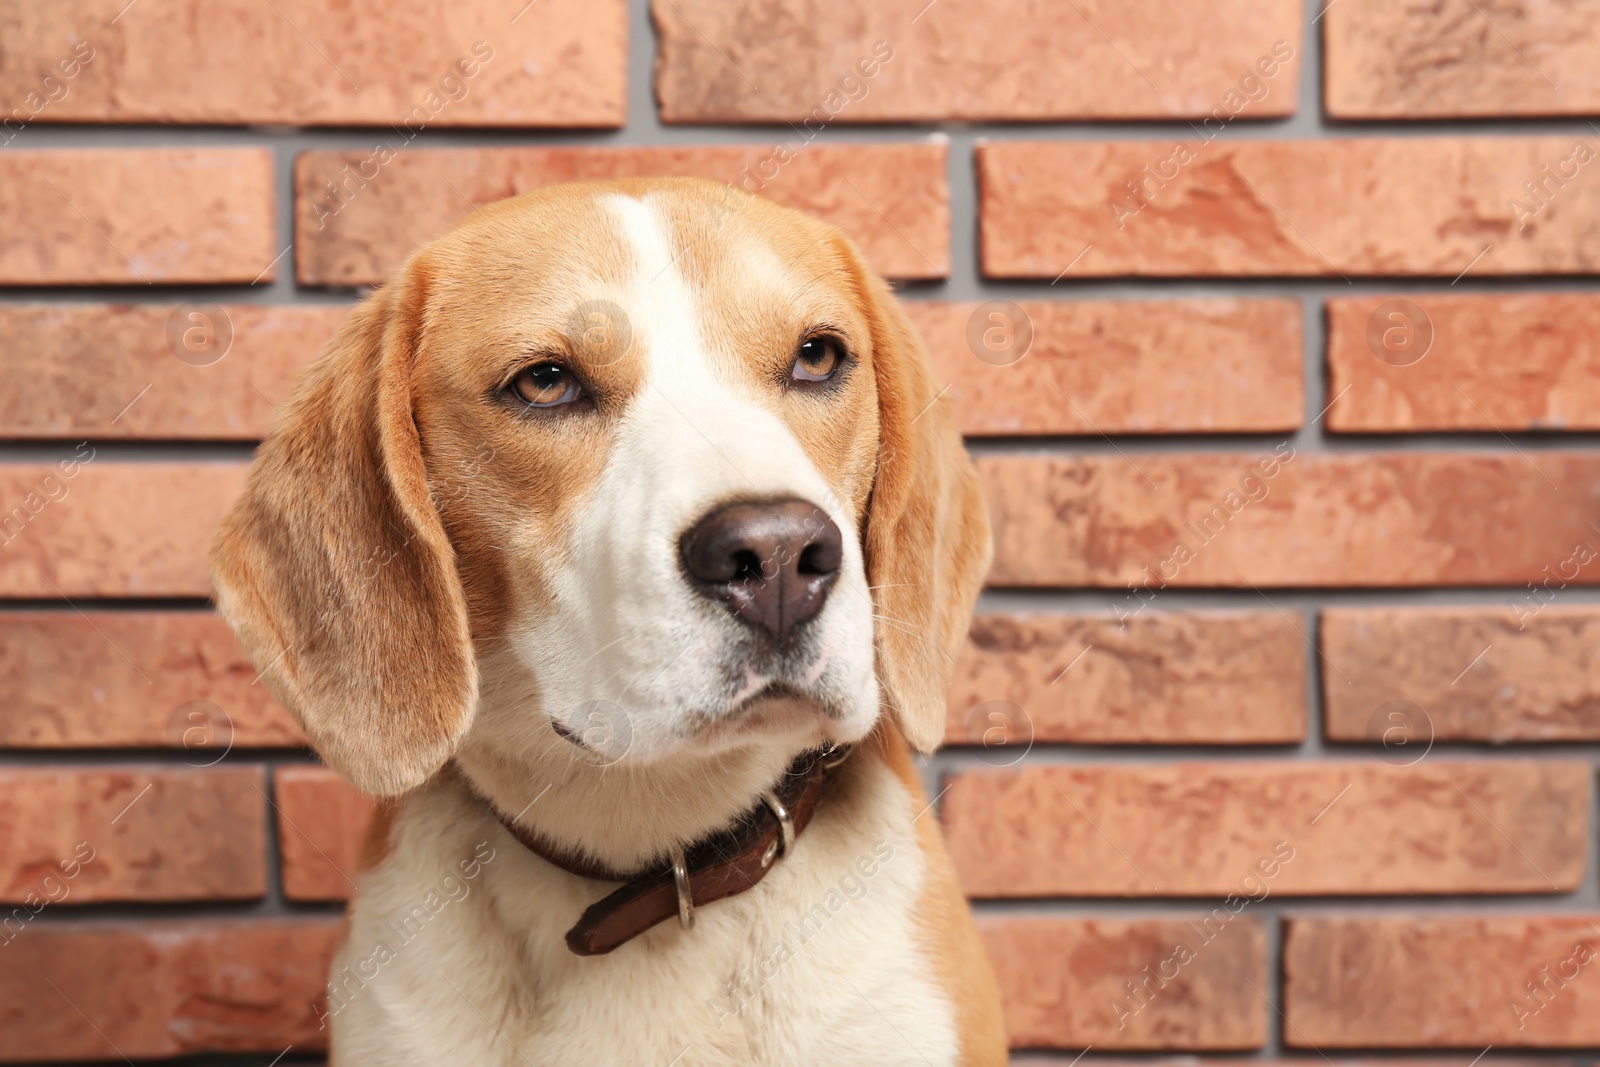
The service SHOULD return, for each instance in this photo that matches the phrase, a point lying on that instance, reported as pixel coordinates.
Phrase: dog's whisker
(603, 647)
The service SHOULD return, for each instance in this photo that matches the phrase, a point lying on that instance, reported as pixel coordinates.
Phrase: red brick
(1325, 520)
(1273, 208)
(1164, 678)
(1065, 983)
(1446, 982)
(322, 820)
(113, 529)
(136, 215)
(1118, 366)
(898, 210)
(1065, 1060)
(132, 833)
(1459, 58)
(788, 60)
(1464, 380)
(367, 62)
(146, 679)
(1517, 671)
(160, 989)
(1206, 829)
(74, 368)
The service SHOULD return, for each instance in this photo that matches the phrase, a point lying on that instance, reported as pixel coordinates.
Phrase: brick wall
(1277, 731)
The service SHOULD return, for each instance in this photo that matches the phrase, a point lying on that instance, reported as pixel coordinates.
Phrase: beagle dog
(623, 542)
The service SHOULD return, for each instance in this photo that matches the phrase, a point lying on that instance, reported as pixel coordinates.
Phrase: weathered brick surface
(1460, 58)
(1520, 670)
(322, 821)
(1188, 829)
(1117, 366)
(80, 835)
(132, 216)
(112, 529)
(1445, 982)
(412, 64)
(1149, 591)
(892, 199)
(142, 679)
(197, 371)
(1481, 362)
(819, 64)
(1064, 982)
(1065, 1060)
(164, 988)
(1322, 520)
(1155, 678)
(1431, 206)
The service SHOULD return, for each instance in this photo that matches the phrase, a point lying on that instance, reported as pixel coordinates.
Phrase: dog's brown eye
(817, 360)
(544, 385)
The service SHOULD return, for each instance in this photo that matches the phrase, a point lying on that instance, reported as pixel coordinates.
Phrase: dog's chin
(776, 718)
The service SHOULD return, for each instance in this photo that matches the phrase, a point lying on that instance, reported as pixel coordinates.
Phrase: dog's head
(672, 449)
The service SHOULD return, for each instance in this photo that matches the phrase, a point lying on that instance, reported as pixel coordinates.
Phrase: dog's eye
(817, 360)
(545, 385)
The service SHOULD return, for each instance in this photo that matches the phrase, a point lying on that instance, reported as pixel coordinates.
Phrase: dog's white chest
(818, 964)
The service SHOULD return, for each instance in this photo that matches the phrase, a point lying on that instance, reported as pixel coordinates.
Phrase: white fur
(489, 981)
(628, 655)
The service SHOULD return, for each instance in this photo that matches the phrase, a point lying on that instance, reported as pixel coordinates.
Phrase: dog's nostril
(772, 563)
(746, 567)
(820, 558)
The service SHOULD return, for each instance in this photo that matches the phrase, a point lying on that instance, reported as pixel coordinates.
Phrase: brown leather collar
(722, 865)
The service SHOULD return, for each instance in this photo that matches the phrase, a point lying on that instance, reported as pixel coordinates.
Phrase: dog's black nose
(771, 562)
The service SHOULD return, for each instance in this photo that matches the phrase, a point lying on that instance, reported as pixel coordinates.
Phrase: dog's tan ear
(334, 568)
(927, 537)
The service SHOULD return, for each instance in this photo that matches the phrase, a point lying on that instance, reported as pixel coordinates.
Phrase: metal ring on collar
(680, 878)
(785, 822)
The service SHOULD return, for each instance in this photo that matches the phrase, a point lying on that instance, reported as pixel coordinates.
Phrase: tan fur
(401, 566)
(378, 842)
(927, 536)
(334, 568)
(944, 926)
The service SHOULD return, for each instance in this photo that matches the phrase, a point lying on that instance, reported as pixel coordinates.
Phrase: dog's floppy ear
(334, 568)
(927, 536)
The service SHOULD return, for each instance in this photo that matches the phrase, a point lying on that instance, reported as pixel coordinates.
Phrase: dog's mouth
(770, 708)
(774, 707)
